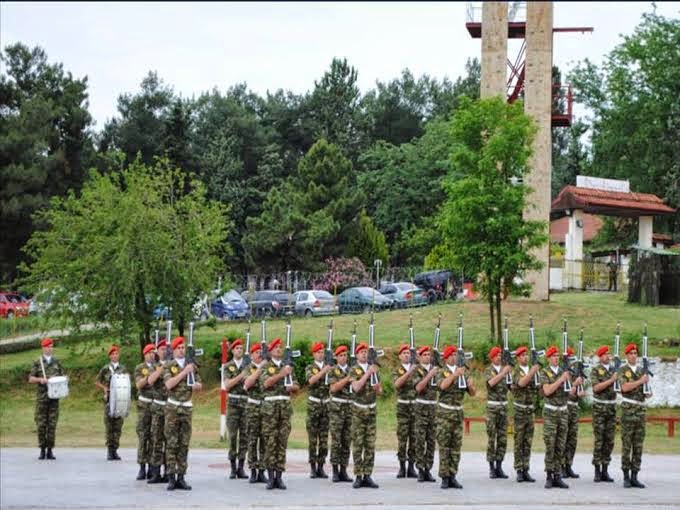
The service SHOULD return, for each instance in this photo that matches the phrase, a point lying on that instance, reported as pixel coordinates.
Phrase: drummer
(46, 409)
(114, 426)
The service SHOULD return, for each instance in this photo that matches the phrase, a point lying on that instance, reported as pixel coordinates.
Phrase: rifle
(580, 365)
(461, 355)
(328, 354)
(617, 357)
(565, 355)
(352, 355)
(168, 341)
(646, 388)
(246, 354)
(436, 356)
(265, 350)
(191, 355)
(412, 340)
(507, 354)
(535, 354)
(373, 353)
(156, 342)
(288, 355)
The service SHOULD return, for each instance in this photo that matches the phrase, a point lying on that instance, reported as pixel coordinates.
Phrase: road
(82, 478)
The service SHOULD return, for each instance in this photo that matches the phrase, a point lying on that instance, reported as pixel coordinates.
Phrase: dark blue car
(230, 306)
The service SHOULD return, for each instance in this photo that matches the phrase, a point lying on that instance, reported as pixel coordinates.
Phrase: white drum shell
(119, 395)
(57, 387)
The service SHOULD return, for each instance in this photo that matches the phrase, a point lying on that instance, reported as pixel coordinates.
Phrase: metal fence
(587, 275)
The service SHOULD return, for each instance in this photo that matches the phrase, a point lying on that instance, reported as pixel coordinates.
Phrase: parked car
(362, 299)
(231, 306)
(404, 294)
(12, 305)
(439, 284)
(311, 303)
(269, 303)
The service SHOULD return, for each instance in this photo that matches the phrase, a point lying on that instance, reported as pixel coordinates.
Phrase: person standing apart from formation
(46, 409)
(317, 421)
(425, 411)
(340, 414)
(524, 393)
(235, 373)
(604, 414)
(496, 412)
(404, 384)
(254, 416)
(113, 426)
(144, 384)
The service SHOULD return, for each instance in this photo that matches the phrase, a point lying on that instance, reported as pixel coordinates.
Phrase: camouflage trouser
(632, 436)
(524, 436)
(255, 437)
(341, 430)
(144, 417)
(317, 431)
(450, 439)
(177, 437)
(46, 416)
(406, 432)
(157, 435)
(276, 426)
(572, 435)
(363, 440)
(236, 428)
(113, 427)
(554, 437)
(425, 435)
(604, 431)
(496, 432)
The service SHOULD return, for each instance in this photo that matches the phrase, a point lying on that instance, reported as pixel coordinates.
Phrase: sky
(195, 47)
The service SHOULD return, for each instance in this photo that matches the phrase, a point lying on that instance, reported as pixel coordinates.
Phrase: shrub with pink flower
(342, 273)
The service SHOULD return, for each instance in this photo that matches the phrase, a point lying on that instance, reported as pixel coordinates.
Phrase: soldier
(46, 409)
(604, 414)
(450, 417)
(340, 414)
(555, 417)
(113, 426)
(254, 416)
(178, 413)
(144, 384)
(524, 392)
(496, 412)
(632, 417)
(277, 413)
(235, 373)
(575, 394)
(404, 383)
(317, 411)
(425, 411)
(363, 418)
(160, 395)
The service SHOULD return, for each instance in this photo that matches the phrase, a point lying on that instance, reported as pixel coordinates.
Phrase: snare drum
(57, 387)
(119, 395)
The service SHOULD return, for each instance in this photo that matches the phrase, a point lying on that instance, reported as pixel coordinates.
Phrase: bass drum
(119, 395)
(57, 387)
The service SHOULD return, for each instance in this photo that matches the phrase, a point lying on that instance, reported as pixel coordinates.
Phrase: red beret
(162, 343)
(113, 348)
(177, 341)
(236, 343)
(340, 349)
(46, 342)
(317, 347)
(570, 351)
(521, 350)
(148, 348)
(423, 349)
(630, 347)
(448, 351)
(551, 351)
(403, 347)
(495, 351)
(603, 350)
(274, 344)
(255, 347)
(360, 347)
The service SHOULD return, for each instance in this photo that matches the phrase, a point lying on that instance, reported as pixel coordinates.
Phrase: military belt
(180, 404)
(238, 397)
(523, 406)
(450, 408)
(572, 403)
(554, 408)
(364, 406)
(254, 401)
(276, 397)
(318, 400)
(341, 400)
(600, 401)
(403, 401)
(426, 402)
(631, 401)
(159, 402)
(497, 402)
(144, 399)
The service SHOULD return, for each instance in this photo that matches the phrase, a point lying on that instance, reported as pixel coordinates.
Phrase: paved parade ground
(82, 478)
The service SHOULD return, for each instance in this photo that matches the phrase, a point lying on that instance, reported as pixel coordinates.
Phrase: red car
(12, 305)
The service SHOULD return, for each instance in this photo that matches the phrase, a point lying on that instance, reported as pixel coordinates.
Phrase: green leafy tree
(129, 241)
(368, 243)
(481, 222)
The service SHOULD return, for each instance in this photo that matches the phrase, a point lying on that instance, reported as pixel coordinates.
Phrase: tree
(481, 223)
(368, 243)
(44, 143)
(131, 240)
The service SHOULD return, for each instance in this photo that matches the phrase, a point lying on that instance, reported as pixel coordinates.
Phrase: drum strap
(42, 367)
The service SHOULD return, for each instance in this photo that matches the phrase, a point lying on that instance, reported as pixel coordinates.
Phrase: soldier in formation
(404, 384)
(524, 393)
(603, 377)
(144, 384)
(577, 393)
(340, 415)
(254, 416)
(496, 412)
(235, 373)
(317, 421)
(160, 396)
(113, 425)
(425, 411)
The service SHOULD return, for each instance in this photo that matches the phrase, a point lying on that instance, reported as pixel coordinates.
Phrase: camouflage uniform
(604, 416)
(426, 412)
(160, 395)
(254, 421)
(113, 426)
(340, 413)
(277, 413)
(555, 420)
(317, 421)
(496, 417)
(144, 414)
(236, 413)
(178, 413)
(524, 400)
(406, 417)
(572, 431)
(450, 423)
(363, 425)
(46, 409)
(632, 420)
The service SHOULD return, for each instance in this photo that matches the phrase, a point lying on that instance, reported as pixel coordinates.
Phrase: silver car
(311, 303)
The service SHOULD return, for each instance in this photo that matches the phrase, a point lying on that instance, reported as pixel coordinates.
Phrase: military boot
(253, 476)
(109, 454)
(368, 482)
(421, 475)
(357, 482)
(598, 474)
(453, 483)
(155, 474)
(605, 474)
(240, 473)
(445, 482)
(114, 452)
(548, 480)
(634, 480)
(320, 473)
(232, 473)
(42, 454)
(492, 471)
(499, 469)
(261, 477)
(141, 475)
(568, 472)
(279, 481)
(171, 482)
(312, 470)
(271, 481)
(527, 477)
(50, 455)
(558, 482)
(344, 477)
(164, 476)
(182, 484)
(626, 479)
(402, 469)
(336, 474)
(428, 476)
(410, 471)
(520, 476)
